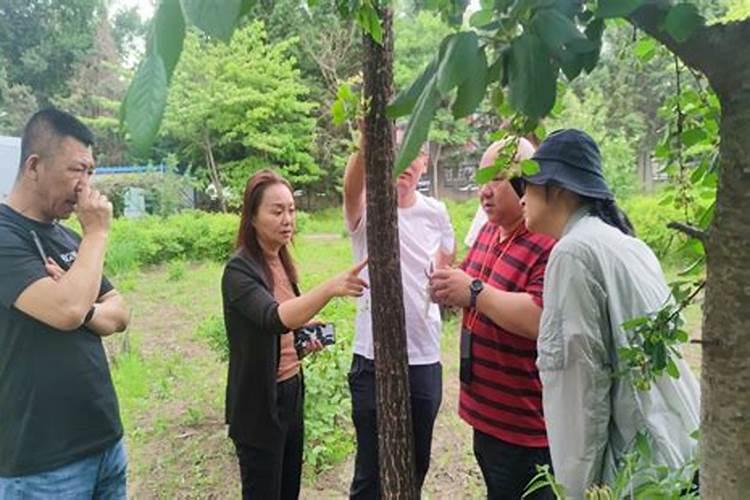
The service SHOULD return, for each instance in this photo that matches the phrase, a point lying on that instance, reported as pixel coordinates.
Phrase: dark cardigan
(254, 329)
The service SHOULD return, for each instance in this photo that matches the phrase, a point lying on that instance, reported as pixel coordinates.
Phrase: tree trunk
(395, 439)
(213, 173)
(720, 52)
(725, 426)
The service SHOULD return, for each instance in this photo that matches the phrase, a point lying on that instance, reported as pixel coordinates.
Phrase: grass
(327, 221)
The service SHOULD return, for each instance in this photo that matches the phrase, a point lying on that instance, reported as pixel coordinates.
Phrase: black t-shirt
(57, 401)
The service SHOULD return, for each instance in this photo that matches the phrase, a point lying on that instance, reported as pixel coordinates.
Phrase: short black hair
(50, 125)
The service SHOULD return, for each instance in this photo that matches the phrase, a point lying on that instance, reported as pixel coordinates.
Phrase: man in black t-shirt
(60, 430)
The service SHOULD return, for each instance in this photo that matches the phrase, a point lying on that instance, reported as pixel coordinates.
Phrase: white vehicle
(10, 156)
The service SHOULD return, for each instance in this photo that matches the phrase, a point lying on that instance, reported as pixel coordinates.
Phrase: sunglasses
(519, 185)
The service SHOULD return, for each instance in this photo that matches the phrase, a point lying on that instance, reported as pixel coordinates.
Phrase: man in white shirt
(426, 242)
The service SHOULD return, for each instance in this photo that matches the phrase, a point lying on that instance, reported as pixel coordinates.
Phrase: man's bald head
(525, 151)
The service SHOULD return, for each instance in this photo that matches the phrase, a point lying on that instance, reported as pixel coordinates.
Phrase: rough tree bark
(722, 53)
(395, 439)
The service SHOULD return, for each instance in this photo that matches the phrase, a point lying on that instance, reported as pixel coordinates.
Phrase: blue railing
(131, 169)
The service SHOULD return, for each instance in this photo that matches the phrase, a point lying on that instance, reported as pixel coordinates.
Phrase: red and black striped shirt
(504, 398)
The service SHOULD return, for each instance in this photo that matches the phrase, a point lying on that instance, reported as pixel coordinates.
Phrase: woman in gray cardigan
(262, 306)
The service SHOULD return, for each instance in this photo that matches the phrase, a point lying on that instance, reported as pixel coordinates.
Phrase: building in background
(10, 157)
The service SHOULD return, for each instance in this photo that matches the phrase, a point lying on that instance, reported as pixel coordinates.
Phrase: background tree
(96, 90)
(17, 104)
(416, 34)
(328, 51)
(42, 41)
(128, 31)
(239, 107)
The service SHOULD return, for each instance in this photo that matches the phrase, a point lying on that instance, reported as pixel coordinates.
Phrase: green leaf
(495, 71)
(662, 150)
(697, 264)
(642, 446)
(558, 32)
(594, 31)
(484, 175)
(682, 336)
(635, 323)
(529, 167)
(338, 112)
(216, 18)
(144, 106)
(708, 215)
(168, 33)
(344, 92)
(418, 127)
(369, 21)
(461, 54)
(532, 77)
(572, 67)
(471, 92)
(699, 172)
(616, 8)
(498, 135)
(645, 49)
(659, 356)
(672, 369)
(693, 136)
(682, 20)
(481, 18)
(407, 98)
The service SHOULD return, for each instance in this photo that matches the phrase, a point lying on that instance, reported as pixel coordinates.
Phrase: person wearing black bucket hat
(598, 277)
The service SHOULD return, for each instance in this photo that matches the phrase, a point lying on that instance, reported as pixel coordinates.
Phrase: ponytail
(609, 212)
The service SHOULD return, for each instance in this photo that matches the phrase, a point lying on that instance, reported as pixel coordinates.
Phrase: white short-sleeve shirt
(424, 228)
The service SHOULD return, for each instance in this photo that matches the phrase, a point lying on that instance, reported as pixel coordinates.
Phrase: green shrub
(650, 218)
(191, 235)
(302, 222)
(327, 400)
(212, 331)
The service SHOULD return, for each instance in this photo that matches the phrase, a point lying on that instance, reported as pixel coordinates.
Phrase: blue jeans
(100, 476)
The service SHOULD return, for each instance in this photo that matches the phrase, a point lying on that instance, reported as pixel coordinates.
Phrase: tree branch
(711, 49)
(692, 231)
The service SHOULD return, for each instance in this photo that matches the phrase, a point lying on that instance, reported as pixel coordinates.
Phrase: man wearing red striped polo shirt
(500, 287)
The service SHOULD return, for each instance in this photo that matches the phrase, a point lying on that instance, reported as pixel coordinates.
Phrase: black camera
(324, 332)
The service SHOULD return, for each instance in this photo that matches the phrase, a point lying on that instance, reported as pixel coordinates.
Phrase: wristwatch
(475, 288)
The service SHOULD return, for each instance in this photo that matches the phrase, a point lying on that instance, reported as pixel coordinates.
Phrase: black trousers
(275, 474)
(508, 468)
(426, 387)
